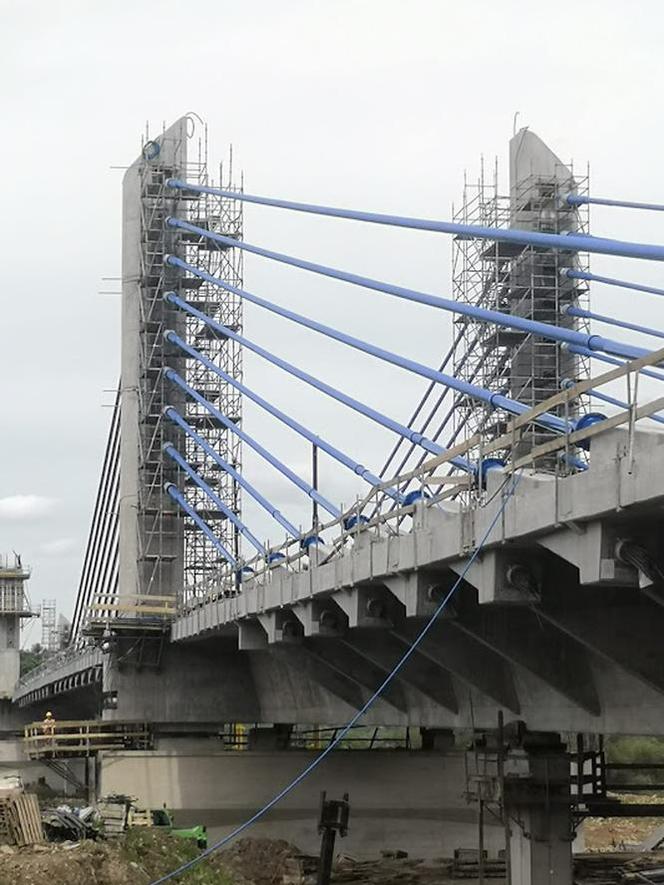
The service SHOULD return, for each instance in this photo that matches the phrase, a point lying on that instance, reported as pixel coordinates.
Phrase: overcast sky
(377, 104)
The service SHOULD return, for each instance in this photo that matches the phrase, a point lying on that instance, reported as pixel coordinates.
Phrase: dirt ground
(143, 855)
(610, 834)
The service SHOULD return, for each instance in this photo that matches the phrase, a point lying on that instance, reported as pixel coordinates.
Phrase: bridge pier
(536, 801)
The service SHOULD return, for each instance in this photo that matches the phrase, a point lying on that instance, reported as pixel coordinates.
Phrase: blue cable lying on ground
(508, 490)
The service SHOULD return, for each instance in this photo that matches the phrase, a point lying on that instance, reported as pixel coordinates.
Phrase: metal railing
(437, 487)
(51, 739)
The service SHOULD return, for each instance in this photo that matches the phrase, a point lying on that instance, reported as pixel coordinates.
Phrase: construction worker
(48, 725)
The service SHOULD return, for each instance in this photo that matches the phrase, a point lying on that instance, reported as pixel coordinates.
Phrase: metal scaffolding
(49, 636)
(224, 216)
(13, 597)
(161, 523)
(523, 281)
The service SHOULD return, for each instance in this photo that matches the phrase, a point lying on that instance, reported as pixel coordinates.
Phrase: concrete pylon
(539, 183)
(150, 540)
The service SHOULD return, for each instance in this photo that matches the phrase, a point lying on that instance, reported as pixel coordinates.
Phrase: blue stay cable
(507, 495)
(174, 416)
(483, 314)
(610, 281)
(603, 358)
(172, 490)
(368, 411)
(318, 441)
(585, 200)
(574, 311)
(170, 450)
(224, 420)
(473, 391)
(565, 242)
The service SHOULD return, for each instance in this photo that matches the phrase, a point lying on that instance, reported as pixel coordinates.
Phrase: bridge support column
(91, 774)
(537, 802)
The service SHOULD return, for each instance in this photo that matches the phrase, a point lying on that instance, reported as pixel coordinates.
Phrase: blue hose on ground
(507, 494)
(565, 242)
(508, 320)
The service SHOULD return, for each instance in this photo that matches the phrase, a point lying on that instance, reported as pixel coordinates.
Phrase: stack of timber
(116, 813)
(20, 818)
(141, 817)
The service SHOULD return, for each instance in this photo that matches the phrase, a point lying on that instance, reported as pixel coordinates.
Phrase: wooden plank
(142, 609)
(149, 596)
(448, 480)
(82, 736)
(84, 723)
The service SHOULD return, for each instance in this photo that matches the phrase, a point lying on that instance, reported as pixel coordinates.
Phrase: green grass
(159, 853)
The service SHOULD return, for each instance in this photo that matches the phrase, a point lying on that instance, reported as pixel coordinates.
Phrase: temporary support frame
(526, 281)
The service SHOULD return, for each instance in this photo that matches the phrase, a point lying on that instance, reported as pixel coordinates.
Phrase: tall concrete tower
(14, 605)
(161, 551)
(521, 280)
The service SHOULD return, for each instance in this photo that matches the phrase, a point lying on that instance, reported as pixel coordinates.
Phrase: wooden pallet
(20, 819)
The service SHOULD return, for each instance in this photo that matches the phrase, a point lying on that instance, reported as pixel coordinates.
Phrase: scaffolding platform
(72, 738)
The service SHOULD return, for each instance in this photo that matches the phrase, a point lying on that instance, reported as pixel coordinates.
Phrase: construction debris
(617, 867)
(65, 823)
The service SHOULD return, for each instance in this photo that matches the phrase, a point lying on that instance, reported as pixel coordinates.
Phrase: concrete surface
(417, 795)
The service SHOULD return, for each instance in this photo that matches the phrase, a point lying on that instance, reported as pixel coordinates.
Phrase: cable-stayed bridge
(505, 557)
(169, 556)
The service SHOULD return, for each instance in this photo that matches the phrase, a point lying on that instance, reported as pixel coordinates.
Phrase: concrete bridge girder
(321, 617)
(525, 639)
(591, 549)
(565, 656)
(505, 576)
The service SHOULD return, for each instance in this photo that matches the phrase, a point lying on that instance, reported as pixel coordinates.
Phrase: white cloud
(25, 507)
(58, 547)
